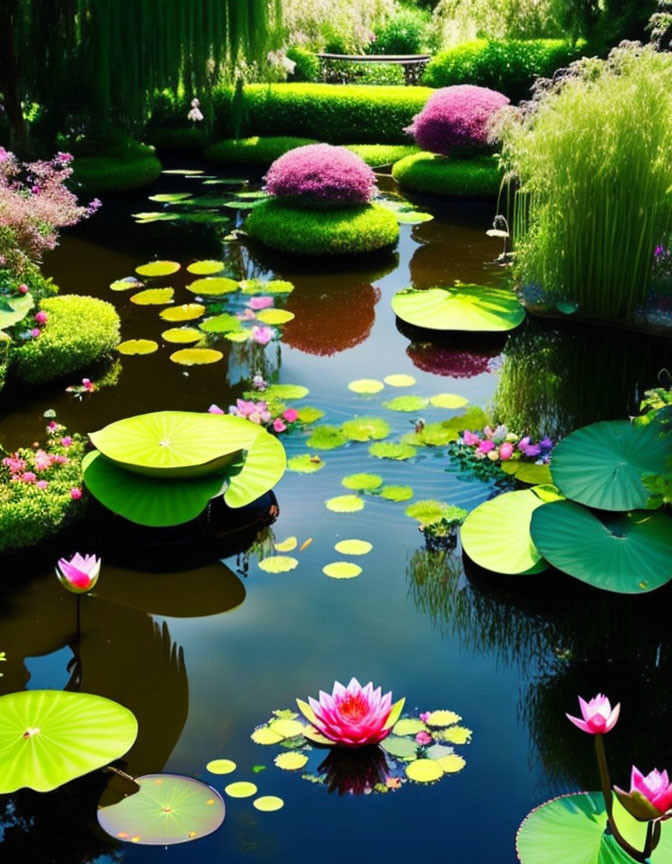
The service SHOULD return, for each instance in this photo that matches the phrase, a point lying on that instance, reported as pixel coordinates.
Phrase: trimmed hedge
(382, 154)
(79, 331)
(253, 151)
(479, 177)
(298, 231)
(334, 113)
(509, 66)
(119, 170)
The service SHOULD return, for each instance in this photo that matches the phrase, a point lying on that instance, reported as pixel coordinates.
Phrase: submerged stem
(609, 803)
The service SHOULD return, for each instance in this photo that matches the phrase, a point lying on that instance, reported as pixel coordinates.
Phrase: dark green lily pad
(464, 307)
(601, 465)
(629, 553)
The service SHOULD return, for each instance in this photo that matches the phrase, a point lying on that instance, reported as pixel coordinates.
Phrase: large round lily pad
(626, 552)
(571, 830)
(49, 737)
(464, 307)
(213, 286)
(601, 465)
(174, 443)
(14, 310)
(496, 535)
(167, 809)
(265, 463)
(157, 268)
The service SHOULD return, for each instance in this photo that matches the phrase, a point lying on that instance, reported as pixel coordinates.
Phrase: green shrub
(327, 232)
(191, 141)
(479, 177)
(253, 151)
(5, 343)
(119, 169)
(406, 32)
(508, 66)
(79, 331)
(307, 65)
(382, 154)
(335, 113)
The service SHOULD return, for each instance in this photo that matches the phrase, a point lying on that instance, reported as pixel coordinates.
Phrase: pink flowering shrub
(321, 176)
(34, 204)
(456, 118)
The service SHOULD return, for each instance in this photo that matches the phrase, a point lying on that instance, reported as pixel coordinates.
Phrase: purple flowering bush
(322, 177)
(457, 118)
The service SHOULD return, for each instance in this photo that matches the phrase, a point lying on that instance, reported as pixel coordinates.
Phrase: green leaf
(167, 809)
(392, 450)
(224, 323)
(264, 465)
(448, 400)
(157, 268)
(571, 830)
(362, 482)
(275, 316)
(17, 309)
(353, 547)
(285, 391)
(406, 403)
(365, 429)
(305, 464)
(629, 553)
(278, 564)
(137, 346)
(213, 286)
(196, 356)
(259, 286)
(430, 512)
(528, 472)
(366, 386)
(153, 297)
(345, 504)
(308, 414)
(205, 268)
(601, 465)
(342, 570)
(464, 307)
(49, 737)
(395, 713)
(404, 749)
(182, 335)
(396, 493)
(496, 535)
(185, 312)
(399, 380)
(326, 438)
(170, 197)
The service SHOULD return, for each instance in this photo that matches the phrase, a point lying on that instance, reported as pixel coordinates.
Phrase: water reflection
(455, 355)
(354, 770)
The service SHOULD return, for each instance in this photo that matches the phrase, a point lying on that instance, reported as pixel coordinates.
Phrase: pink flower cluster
(500, 444)
(456, 117)
(259, 412)
(321, 176)
(34, 468)
(34, 204)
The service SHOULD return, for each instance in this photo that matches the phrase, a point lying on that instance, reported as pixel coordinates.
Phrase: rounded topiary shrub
(321, 177)
(77, 332)
(457, 119)
(479, 177)
(341, 231)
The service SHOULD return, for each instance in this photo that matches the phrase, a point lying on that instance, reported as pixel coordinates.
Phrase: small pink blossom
(41, 484)
(23, 289)
(423, 738)
(278, 425)
(15, 464)
(79, 574)
(262, 335)
(215, 409)
(505, 450)
(261, 302)
(425, 716)
(291, 415)
(43, 461)
(470, 438)
(650, 796)
(58, 459)
(597, 718)
(52, 426)
(28, 477)
(41, 317)
(486, 446)
(35, 332)
(66, 442)
(88, 385)
(75, 493)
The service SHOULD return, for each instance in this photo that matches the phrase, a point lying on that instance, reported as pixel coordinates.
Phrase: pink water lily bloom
(79, 574)
(352, 716)
(486, 446)
(650, 797)
(261, 302)
(470, 438)
(278, 425)
(262, 335)
(291, 415)
(598, 716)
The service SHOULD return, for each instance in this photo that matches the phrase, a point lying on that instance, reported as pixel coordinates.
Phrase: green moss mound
(191, 142)
(79, 331)
(349, 231)
(120, 169)
(382, 154)
(479, 177)
(254, 151)
(5, 343)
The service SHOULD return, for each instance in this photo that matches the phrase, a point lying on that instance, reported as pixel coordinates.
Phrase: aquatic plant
(597, 715)
(462, 307)
(456, 119)
(650, 797)
(321, 176)
(590, 162)
(79, 574)
(492, 451)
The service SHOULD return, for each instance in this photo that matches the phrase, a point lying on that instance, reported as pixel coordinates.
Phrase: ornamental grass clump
(590, 159)
(323, 177)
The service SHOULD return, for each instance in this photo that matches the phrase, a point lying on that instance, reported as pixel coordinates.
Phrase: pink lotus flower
(486, 446)
(470, 438)
(505, 450)
(262, 335)
(352, 716)
(278, 425)
(291, 415)
(88, 385)
(75, 493)
(41, 317)
(79, 574)
(598, 716)
(261, 302)
(423, 738)
(650, 797)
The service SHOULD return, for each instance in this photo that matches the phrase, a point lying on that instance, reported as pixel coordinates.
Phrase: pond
(203, 650)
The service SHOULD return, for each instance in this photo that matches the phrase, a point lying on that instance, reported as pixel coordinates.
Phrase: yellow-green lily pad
(137, 346)
(182, 335)
(185, 312)
(154, 297)
(342, 570)
(196, 356)
(213, 286)
(205, 268)
(157, 268)
(345, 504)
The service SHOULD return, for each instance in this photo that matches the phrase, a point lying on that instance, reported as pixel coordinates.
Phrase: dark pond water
(204, 650)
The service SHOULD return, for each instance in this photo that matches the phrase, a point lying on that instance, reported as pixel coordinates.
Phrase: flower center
(353, 707)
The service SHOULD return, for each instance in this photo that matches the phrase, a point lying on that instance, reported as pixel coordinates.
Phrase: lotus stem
(609, 803)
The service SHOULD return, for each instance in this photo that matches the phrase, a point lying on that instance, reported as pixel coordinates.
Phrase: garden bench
(334, 67)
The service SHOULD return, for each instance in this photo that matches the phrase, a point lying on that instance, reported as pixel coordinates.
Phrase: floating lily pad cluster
(162, 469)
(216, 205)
(594, 523)
(472, 308)
(419, 749)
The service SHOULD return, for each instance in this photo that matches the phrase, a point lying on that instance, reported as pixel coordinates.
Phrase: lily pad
(185, 312)
(629, 553)
(412, 217)
(221, 766)
(265, 736)
(242, 789)
(406, 403)
(528, 472)
(305, 464)
(157, 268)
(146, 500)
(345, 504)
(424, 771)
(496, 535)
(342, 570)
(409, 726)
(241, 335)
(353, 547)
(401, 748)
(366, 386)
(205, 268)
(442, 718)
(291, 761)
(326, 438)
(49, 737)
(147, 217)
(213, 286)
(392, 450)
(168, 809)
(448, 400)
(362, 482)
(259, 286)
(278, 564)
(224, 323)
(365, 429)
(170, 197)
(196, 356)
(396, 493)
(137, 346)
(275, 316)
(572, 830)
(126, 284)
(15, 310)
(429, 512)
(287, 545)
(433, 435)
(268, 803)
(451, 764)
(399, 380)
(308, 414)
(601, 465)
(285, 391)
(154, 297)
(464, 307)
(182, 335)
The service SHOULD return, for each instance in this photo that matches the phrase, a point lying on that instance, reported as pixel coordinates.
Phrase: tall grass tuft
(592, 166)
